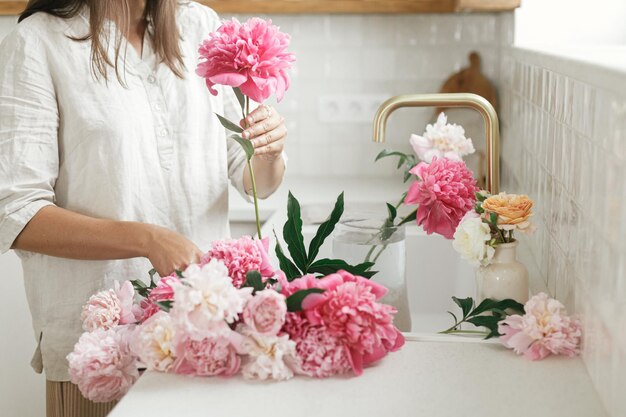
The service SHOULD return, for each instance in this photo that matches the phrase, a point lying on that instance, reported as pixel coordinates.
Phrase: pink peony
(153, 342)
(269, 356)
(129, 311)
(265, 312)
(444, 191)
(241, 256)
(349, 311)
(544, 329)
(252, 56)
(102, 365)
(207, 300)
(102, 311)
(319, 354)
(210, 356)
(162, 292)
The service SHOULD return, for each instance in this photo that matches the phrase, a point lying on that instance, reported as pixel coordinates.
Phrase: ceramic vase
(505, 277)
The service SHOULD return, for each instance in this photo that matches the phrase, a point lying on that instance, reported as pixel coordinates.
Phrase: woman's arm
(62, 233)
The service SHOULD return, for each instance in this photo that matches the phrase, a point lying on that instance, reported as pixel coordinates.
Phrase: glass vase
(365, 240)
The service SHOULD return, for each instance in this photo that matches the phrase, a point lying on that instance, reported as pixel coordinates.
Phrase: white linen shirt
(151, 151)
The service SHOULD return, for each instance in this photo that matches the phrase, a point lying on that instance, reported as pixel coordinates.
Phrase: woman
(111, 158)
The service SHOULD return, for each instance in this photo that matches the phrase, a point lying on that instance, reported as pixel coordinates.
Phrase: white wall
(550, 22)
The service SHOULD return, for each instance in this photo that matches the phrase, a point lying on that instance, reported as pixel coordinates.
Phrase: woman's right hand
(169, 251)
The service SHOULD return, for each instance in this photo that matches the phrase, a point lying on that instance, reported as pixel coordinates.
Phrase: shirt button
(158, 106)
(151, 79)
(163, 132)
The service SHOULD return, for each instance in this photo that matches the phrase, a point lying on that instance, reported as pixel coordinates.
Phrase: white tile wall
(564, 143)
(376, 55)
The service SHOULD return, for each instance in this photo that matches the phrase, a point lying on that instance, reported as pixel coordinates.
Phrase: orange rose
(513, 210)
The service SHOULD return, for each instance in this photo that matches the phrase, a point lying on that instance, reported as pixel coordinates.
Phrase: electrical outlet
(353, 108)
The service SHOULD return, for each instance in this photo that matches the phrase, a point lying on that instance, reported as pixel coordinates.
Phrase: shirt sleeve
(236, 156)
(29, 157)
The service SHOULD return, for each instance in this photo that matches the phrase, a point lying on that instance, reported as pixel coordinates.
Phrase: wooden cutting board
(470, 80)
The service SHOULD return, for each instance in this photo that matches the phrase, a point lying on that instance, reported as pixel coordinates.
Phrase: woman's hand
(266, 129)
(169, 251)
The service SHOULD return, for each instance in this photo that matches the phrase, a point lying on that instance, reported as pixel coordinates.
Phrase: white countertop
(431, 376)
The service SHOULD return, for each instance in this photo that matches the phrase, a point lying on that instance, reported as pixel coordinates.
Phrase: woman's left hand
(266, 129)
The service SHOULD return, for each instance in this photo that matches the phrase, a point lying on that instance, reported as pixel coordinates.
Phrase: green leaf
(294, 301)
(291, 271)
(152, 273)
(140, 287)
(292, 233)
(245, 144)
(254, 280)
(489, 305)
(228, 124)
(165, 305)
(392, 213)
(401, 162)
(386, 153)
(490, 322)
(179, 274)
(454, 317)
(325, 229)
(240, 97)
(480, 197)
(327, 266)
(407, 176)
(493, 219)
(410, 218)
(466, 304)
(485, 305)
(509, 304)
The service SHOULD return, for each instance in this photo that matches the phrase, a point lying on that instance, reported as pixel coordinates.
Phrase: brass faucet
(469, 100)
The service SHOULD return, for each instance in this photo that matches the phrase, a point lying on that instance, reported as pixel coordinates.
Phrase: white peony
(470, 240)
(206, 298)
(153, 342)
(442, 140)
(269, 357)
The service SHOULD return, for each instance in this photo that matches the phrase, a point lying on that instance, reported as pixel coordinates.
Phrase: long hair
(162, 13)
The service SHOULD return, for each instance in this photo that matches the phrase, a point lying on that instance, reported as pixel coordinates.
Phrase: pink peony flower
(444, 191)
(269, 356)
(349, 310)
(129, 311)
(102, 365)
(252, 56)
(544, 329)
(102, 311)
(319, 354)
(153, 342)
(162, 292)
(209, 356)
(265, 312)
(207, 300)
(241, 256)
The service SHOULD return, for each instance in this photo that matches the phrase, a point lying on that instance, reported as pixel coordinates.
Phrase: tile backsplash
(366, 59)
(564, 143)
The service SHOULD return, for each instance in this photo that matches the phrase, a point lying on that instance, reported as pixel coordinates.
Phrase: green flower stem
(452, 331)
(252, 180)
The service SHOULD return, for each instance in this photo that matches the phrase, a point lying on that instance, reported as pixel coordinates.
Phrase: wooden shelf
(332, 6)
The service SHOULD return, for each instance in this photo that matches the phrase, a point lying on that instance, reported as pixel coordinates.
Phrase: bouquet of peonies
(491, 223)
(235, 312)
